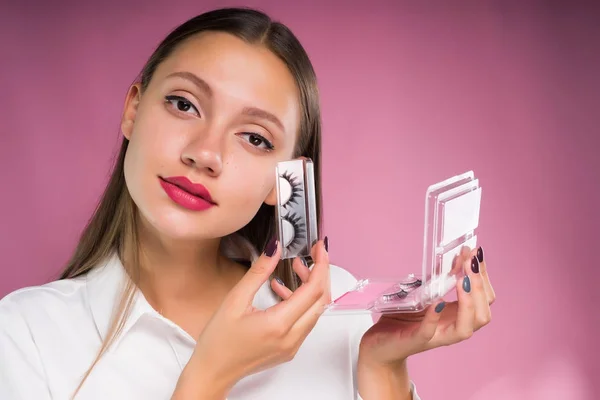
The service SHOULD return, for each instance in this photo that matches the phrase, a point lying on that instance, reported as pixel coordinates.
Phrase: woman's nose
(205, 156)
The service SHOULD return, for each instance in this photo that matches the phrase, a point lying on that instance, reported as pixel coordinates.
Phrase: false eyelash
(402, 293)
(396, 295)
(296, 187)
(299, 229)
(412, 285)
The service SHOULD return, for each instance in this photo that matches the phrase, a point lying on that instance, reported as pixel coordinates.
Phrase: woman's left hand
(395, 337)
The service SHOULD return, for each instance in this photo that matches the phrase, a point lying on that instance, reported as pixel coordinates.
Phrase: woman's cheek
(251, 191)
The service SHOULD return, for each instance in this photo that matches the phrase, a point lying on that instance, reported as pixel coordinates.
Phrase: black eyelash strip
(296, 188)
(299, 229)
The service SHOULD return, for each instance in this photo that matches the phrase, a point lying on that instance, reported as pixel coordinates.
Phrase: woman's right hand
(240, 340)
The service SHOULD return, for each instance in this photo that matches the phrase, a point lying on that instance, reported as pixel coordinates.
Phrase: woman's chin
(185, 230)
(177, 225)
(182, 231)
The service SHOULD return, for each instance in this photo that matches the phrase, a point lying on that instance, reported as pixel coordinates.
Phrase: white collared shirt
(51, 334)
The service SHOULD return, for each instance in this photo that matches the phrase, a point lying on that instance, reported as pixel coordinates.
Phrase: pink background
(412, 93)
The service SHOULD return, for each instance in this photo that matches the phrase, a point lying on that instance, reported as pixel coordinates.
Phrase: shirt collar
(105, 287)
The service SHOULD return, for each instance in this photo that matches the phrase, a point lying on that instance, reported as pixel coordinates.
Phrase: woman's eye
(257, 140)
(182, 104)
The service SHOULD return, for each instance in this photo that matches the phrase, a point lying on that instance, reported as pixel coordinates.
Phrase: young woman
(167, 296)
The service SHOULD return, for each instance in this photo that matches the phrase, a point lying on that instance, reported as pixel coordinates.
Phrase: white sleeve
(22, 375)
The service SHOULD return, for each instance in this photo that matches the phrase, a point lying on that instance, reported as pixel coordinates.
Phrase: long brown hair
(113, 226)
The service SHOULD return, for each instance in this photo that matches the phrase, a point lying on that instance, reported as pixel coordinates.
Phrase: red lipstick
(187, 194)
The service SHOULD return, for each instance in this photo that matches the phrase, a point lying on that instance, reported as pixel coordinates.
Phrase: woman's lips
(192, 196)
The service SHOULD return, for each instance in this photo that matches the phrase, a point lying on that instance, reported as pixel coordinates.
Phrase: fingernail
(271, 247)
(304, 262)
(480, 254)
(279, 281)
(467, 284)
(326, 242)
(475, 265)
(440, 307)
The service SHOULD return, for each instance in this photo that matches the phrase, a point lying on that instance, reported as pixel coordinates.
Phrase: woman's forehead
(234, 69)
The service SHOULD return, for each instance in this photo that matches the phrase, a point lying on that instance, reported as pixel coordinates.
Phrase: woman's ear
(132, 102)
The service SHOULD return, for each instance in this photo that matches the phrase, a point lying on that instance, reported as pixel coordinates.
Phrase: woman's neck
(185, 280)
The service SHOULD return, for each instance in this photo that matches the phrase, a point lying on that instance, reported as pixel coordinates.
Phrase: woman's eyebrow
(262, 114)
(195, 79)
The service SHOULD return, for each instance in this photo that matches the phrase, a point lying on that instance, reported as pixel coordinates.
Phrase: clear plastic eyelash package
(296, 209)
(451, 219)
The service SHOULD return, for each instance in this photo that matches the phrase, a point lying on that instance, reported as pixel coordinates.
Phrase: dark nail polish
(467, 284)
(475, 265)
(440, 307)
(326, 242)
(271, 247)
(304, 261)
(279, 281)
(480, 254)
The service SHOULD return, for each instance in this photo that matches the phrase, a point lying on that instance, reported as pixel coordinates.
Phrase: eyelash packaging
(451, 219)
(296, 209)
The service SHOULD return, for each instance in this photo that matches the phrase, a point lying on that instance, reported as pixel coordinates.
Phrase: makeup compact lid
(451, 218)
(296, 208)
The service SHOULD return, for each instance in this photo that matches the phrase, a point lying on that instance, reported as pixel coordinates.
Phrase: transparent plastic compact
(451, 219)
(296, 209)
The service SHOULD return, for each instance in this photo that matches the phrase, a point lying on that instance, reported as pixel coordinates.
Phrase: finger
(459, 259)
(314, 292)
(244, 292)
(430, 322)
(307, 321)
(465, 316)
(489, 290)
(465, 252)
(481, 306)
(320, 253)
(301, 268)
(321, 269)
(280, 289)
